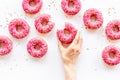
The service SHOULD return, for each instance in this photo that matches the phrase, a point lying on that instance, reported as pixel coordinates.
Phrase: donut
(71, 7)
(43, 24)
(5, 45)
(18, 28)
(32, 6)
(37, 47)
(113, 30)
(111, 55)
(68, 34)
(93, 19)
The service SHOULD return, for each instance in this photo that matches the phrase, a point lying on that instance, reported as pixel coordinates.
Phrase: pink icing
(6, 47)
(72, 33)
(41, 51)
(71, 10)
(43, 28)
(89, 24)
(32, 9)
(111, 34)
(106, 55)
(24, 28)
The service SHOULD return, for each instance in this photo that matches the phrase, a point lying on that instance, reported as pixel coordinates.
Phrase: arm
(69, 56)
(70, 71)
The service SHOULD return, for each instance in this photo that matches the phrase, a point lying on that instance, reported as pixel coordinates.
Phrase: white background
(18, 65)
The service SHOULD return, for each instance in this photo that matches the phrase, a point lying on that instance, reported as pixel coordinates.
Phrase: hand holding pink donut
(70, 55)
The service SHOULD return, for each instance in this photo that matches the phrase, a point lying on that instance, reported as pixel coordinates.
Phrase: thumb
(60, 46)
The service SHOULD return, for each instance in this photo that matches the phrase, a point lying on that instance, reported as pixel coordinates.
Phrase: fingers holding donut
(77, 41)
(61, 48)
(70, 54)
(80, 42)
(73, 37)
(72, 51)
(75, 46)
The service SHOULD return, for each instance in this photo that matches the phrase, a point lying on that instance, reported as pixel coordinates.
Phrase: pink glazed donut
(19, 28)
(111, 55)
(71, 7)
(93, 19)
(37, 47)
(5, 45)
(68, 34)
(113, 30)
(32, 6)
(43, 23)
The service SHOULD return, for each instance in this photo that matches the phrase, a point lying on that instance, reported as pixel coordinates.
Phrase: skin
(70, 55)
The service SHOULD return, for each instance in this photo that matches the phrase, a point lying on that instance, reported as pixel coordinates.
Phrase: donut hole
(93, 17)
(44, 23)
(18, 28)
(37, 47)
(66, 32)
(112, 55)
(116, 28)
(32, 3)
(2, 44)
(71, 3)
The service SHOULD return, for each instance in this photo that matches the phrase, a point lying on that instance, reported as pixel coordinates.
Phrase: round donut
(113, 30)
(71, 7)
(32, 6)
(68, 34)
(19, 28)
(37, 47)
(93, 19)
(5, 45)
(111, 55)
(43, 23)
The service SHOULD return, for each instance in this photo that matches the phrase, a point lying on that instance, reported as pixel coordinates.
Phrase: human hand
(70, 54)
